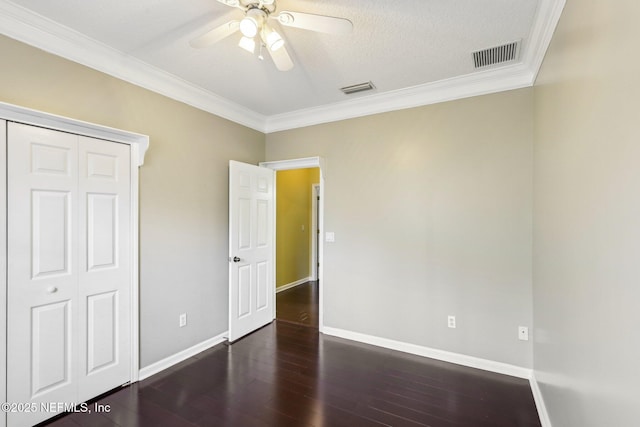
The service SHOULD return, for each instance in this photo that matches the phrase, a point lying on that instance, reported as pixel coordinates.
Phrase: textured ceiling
(395, 44)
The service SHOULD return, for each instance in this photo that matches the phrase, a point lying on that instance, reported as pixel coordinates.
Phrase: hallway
(299, 304)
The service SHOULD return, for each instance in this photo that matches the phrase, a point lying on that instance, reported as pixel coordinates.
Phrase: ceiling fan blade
(320, 23)
(281, 59)
(232, 3)
(215, 35)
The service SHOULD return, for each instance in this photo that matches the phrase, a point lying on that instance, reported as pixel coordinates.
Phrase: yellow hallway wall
(293, 211)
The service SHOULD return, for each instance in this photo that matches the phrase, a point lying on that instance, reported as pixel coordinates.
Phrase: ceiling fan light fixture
(248, 27)
(255, 29)
(252, 22)
(272, 39)
(248, 44)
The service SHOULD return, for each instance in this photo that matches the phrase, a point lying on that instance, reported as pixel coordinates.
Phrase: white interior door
(251, 257)
(65, 323)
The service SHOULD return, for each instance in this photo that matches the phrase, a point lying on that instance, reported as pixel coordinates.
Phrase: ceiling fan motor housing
(269, 6)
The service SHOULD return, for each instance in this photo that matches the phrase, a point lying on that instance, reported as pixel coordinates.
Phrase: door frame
(315, 234)
(138, 144)
(304, 163)
(3, 268)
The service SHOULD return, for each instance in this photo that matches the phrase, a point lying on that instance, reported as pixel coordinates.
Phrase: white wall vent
(496, 55)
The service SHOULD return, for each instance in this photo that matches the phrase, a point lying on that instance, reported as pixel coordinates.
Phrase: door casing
(3, 268)
(302, 163)
(139, 144)
(315, 234)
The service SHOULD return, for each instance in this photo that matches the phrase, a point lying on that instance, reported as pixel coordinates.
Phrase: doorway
(296, 276)
(299, 296)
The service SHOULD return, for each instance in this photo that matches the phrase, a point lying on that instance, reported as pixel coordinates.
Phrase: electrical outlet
(182, 320)
(523, 333)
(451, 321)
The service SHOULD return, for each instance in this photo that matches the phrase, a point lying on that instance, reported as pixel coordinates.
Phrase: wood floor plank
(299, 304)
(288, 374)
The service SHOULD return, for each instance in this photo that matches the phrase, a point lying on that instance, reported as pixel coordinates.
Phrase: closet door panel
(50, 229)
(50, 339)
(102, 231)
(42, 269)
(105, 270)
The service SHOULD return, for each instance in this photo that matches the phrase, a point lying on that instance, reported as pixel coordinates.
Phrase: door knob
(236, 259)
(52, 290)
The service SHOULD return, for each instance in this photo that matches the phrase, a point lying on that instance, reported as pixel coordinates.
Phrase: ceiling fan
(255, 25)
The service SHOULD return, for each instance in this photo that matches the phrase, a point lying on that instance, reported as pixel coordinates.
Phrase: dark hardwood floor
(299, 304)
(290, 375)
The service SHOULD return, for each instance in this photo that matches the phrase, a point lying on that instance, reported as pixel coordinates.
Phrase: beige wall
(431, 209)
(183, 187)
(587, 217)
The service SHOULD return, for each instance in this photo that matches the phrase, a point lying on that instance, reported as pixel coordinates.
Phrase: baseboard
(292, 284)
(537, 397)
(446, 356)
(165, 363)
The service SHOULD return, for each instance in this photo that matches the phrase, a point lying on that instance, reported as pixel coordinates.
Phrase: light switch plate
(330, 236)
(451, 321)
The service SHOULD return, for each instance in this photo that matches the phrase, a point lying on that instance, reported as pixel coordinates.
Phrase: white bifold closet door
(69, 272)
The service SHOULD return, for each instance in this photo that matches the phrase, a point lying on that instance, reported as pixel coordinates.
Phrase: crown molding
(544, 25)
(33, 29)
(496, 80)
(25, 26)
(508, 78)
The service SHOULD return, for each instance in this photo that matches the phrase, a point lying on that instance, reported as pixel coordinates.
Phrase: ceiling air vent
(496, 55)
(360, 87)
